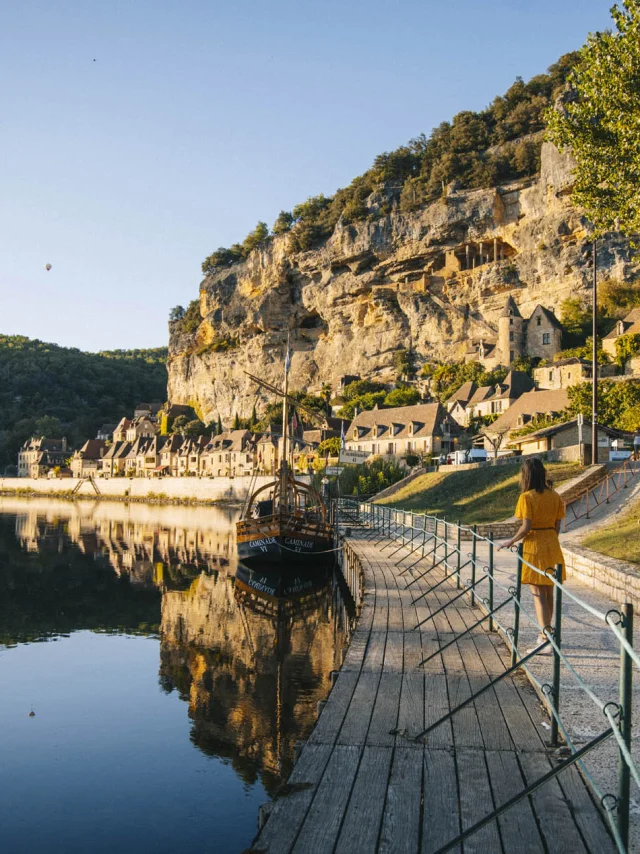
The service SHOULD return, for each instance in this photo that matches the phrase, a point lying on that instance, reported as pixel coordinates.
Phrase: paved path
(363, 785)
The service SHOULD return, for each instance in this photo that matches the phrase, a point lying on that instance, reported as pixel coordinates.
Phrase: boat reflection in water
(252, 655)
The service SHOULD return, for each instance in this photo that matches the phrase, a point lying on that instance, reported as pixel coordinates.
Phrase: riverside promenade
(369, 779)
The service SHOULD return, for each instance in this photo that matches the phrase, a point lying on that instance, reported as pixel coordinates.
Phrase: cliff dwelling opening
(477, 253)
(312, 321)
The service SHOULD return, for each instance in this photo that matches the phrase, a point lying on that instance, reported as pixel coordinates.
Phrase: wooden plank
(322, 824)
(330, 721)
(374, 656)
(552, 811)
(441, 819)
(476, 802)
(586, 814)
(384, 720)
(290, 809)
(356, 723)
(518, 827)
(394, 652)
(400, 832)
(363, 816)
(436, 704)
(411, 711)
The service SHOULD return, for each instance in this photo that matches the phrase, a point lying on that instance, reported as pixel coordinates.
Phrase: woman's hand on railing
(506, 545)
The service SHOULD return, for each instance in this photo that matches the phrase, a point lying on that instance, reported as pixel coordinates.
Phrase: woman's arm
(558, 524)
(519, 535)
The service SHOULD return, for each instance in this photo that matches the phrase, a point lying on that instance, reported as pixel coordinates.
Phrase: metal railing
(441, 545)
(582, 506)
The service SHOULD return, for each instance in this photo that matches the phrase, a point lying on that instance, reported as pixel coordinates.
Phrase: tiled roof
(631, 325)
(514, 384)
(510, 308)
(92, 449)
(552, 400)
(482, 393)
(464, 393)
(550, 316)
(566, 425)
(426, 418)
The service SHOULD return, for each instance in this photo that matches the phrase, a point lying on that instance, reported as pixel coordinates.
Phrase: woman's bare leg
(543, 602)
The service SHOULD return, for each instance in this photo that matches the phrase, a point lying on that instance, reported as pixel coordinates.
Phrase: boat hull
(284, 543)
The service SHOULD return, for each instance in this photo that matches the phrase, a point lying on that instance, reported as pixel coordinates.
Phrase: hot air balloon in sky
(47, 267)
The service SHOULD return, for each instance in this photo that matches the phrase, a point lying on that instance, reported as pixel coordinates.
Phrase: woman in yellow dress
(541, 510)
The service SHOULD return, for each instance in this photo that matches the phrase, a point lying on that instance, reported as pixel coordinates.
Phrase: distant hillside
(59, 391)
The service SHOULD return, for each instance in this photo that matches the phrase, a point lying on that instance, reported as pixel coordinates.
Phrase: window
(511, 336)
(550, 376)
(374, 449)
(510, 320)
(511, 355)
(390, 447)
(410, 446)
(538, 321)
(546, 338)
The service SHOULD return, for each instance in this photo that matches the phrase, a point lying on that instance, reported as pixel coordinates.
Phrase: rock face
(430, 280)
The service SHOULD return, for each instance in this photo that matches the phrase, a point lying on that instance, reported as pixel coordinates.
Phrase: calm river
(150, 698)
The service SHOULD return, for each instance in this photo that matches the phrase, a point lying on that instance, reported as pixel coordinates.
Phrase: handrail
(412, 531)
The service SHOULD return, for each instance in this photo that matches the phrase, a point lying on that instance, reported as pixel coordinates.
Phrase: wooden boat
(285, 522)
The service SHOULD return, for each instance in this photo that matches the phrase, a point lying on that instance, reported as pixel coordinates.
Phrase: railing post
(446, 546)
(626, 685)
(491, 579)
(473, 565)
(459, 544)
(516, 603)
(557, 637)
(435, 542)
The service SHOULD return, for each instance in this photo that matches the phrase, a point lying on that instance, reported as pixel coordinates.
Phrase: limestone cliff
(432, 280)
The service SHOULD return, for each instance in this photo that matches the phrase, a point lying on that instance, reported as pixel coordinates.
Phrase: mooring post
(516, 605)
(473, 565)
(458, 545)
(557, 637)
(491, 579)
(626, 685)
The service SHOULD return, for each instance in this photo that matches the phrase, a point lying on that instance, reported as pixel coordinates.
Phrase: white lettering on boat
(304, 544)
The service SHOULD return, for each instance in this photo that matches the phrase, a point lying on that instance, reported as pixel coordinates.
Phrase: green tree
(627, 346)
(283, 222)
(600, 122)
(220, 428)
(236, 422)
(329, 446)
(176, 313)
(402, 397)
(180, 424)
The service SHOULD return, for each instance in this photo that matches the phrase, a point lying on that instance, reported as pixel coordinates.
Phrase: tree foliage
(59, 391)
(615, 399)
(475, 149)
(600, 121)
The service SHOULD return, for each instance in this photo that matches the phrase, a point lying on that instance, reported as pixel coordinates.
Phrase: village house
(120, 431)
(530, 405)
(562, 374)
(113, 461)
(426, 428)
(267, 450)
(494, 400)
(141, 428)
(38, 456)
(147, 410)
(87, 461)
(148, 457)
(170, 412)
(629, 325)
(460, 398)
(105, 432)
(567, 435)
(230, 454)
(537, 337)
(169, 455)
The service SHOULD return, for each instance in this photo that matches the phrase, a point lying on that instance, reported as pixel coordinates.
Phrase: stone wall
(205, 490)
(617, 579)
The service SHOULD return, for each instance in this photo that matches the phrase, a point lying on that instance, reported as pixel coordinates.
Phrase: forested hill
(58, 391)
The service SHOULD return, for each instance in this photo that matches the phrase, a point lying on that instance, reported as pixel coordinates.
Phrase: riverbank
(187, 490)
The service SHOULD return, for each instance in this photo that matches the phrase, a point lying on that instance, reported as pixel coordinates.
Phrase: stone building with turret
(537, 337)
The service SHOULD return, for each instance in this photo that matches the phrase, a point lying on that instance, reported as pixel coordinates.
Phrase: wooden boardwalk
(362, 785)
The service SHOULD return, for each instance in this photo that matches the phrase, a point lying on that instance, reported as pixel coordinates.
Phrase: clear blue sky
(200, 117)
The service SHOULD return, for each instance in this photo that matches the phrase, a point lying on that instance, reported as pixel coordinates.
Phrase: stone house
(566, 435)
(120, 431)
(113, 461)
(87, 461)
(147, 410)
(105, 432)
(230, 454)
(629, 325)
(141, 428)
(39, 455)
(148, 457)
(537, 337)
(426, 428)
(494, 400)
(562, 374)
(169, 455)
(529, 405)
(268, 450)
(457, 403)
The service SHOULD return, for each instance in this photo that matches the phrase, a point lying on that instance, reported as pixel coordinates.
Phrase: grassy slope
(479, 495)
(620, 539)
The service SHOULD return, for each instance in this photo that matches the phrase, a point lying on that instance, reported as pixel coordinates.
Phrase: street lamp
(594, 366)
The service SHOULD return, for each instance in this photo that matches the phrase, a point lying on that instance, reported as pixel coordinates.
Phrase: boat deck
(362, 785)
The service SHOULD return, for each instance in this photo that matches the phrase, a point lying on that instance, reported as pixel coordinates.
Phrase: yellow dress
(541, 546)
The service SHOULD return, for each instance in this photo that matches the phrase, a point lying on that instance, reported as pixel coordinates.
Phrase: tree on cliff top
(599, 119)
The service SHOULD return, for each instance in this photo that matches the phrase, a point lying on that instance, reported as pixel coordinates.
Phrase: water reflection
(250, 653)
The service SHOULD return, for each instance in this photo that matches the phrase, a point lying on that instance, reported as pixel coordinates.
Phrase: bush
(412, 460)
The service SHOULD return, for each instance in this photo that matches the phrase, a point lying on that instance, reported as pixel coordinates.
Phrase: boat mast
(284, 479)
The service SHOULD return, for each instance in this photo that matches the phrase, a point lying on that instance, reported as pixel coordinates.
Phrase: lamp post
(594, 366)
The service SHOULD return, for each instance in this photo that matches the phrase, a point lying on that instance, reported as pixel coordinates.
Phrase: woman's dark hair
(533, 475)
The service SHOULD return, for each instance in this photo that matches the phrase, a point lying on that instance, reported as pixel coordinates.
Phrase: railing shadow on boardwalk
(427, 742)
